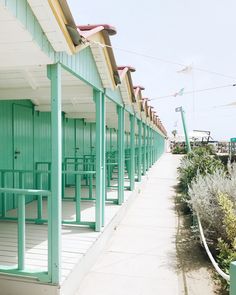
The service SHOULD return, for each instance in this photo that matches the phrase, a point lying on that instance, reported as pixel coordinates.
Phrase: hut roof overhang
(98, 38)
(126, 86)
(138, 98)
(58, 24)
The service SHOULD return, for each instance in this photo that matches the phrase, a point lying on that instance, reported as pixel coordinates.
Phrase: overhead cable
(159, 59)
(195, 91)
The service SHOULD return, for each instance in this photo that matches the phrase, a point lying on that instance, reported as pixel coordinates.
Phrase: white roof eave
(49, 24)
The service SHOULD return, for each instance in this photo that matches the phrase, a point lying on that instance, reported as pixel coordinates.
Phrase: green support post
(232, 278)
(148, 147)
(139, 150)
(21, 233)
(54, 255)
(144, 149)
(153, 147)
(103, 156)
(156, 143)
(121, 154)
(97, 96)
(78, 197)
(132, 151)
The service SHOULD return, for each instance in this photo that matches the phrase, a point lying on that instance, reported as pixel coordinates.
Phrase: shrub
(210, 191)
(197, 162)
(179, 150)
(203, 195)
(213, 197)
(227, 248)
(205, 192)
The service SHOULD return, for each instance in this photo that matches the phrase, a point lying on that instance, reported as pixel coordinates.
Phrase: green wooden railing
(21, 268)
(77, 197)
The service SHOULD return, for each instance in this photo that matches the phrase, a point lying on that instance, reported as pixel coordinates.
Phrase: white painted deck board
(76, 240)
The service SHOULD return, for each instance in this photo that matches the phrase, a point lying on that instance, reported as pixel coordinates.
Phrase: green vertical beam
(54, 74)
(21, 232)
(144, 148)
(139, 150)
(121, 154)
(153, 147)
(132, 151)
(157, 142)
(232, 278)
(78, 198)
(148, 147)
(99, 160)
(103, 156)
(111, 144)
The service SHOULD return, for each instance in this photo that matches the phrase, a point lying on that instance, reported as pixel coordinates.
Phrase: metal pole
(181, 110)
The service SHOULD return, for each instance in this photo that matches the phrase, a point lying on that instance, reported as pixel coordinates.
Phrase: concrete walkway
(141, 256)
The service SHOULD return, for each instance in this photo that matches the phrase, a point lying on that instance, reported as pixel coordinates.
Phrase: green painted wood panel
(23, 145)
(79, 137)
(42, 137)
(93, 138)
(87, 148)
(82, 65)
(114, 139)
(6, 145)
(70, 145)
(69, 133)
(114, 95)
(108, 140)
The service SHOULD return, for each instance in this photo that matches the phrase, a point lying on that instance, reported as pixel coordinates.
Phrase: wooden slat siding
(83, 65)
(115, 96)
(22, 11)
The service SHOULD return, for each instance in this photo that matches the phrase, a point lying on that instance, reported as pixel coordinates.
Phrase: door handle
(16, 152)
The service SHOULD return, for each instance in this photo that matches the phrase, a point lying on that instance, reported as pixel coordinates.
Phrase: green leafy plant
(227, 248)
(179, 150)
(197, 162)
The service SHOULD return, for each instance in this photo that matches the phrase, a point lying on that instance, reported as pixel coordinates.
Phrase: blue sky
(199, 33)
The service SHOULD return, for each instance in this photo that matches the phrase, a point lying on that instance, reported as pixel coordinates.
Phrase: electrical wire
(195, 91)
(159, 59)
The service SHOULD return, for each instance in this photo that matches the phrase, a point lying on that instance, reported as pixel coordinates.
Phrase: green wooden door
(79, 138)
(69, 149)
(23, 148)
(93, 138)
(6, 148)
(87, 147)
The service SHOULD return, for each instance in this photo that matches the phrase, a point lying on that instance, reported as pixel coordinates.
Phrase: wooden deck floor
(76, 240)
